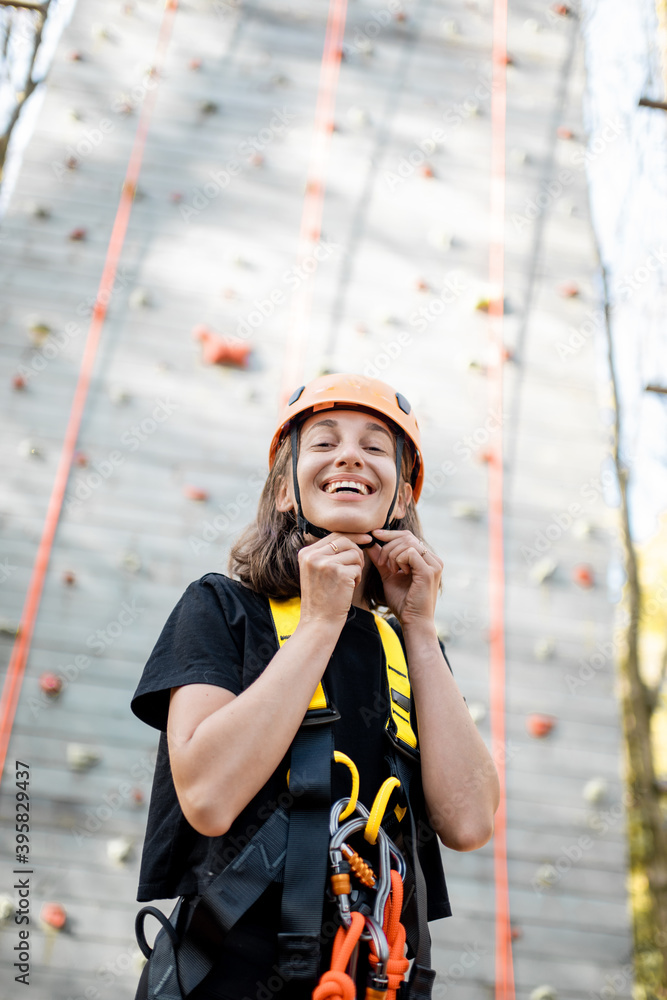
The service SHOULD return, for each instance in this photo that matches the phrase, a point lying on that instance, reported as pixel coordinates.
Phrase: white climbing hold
(439, 238)
(532, 25)
(131, 561)
(544, 993)
(465, 511)
(29, 449)
(477, 712)
(595, 791)
(545, 648)
(543, 570)
(357, 117)
(140, 298)
(546, 876)
(582, 528)
(120, 850)
(81, 757)
(118, 395)
(449, 28)
(7, 907)
(518, 157)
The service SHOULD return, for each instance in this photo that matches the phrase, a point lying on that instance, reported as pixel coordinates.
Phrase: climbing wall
(172, 449)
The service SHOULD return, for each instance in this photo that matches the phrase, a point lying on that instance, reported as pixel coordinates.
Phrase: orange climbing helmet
(346, 391)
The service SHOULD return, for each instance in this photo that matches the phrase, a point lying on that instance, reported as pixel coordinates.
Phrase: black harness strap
(307, 854)
(225, 901)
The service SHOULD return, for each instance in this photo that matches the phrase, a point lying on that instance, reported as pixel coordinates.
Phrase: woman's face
(347, 472)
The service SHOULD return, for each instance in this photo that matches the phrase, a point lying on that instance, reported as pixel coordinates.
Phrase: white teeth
(347, 484)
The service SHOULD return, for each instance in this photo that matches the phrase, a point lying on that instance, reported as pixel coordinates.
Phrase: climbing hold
(485, 457)
(9, 627)
(544, 993)
(441, 239)
(140, 298)
(120, 850)
(18, 382)
(476, 366)
(507, 60)
(545, 648)
(582, 528)
(118, 395)
(40, 211)
(175, 197)
(570, 290)
(400, 15)
(71, 163)
(208, 107)
(427, 171)
(532, 25)
(7, 908)
(195, 64)
(357, 117)
(80, 458)
(518, 157)
(131, 562)
(421, 285)
(75, 56)
(137, 796)
(583, 576)
(464, 510)
(50, 684)
(256, 160)
(507, 354)
(595, 790)
(449, 28)
(39, 333)
(561, 9)
(81, 758)
(218, 350)
(69, 578)
(78, 234)
(195, 493)
(543, 570)
(563, 132)
(516, 933)
(75, 114)
(53, 916)
(477, 712)
(539, 725)
(29, 449)
(545, 877)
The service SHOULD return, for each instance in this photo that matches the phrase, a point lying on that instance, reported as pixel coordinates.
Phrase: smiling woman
(251, 724)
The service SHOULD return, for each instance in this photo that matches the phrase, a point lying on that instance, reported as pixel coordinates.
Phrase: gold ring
(422, 553)
(333, 546)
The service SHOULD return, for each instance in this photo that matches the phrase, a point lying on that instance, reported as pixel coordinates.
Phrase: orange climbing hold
(195, 493)
(539, 726)
(221, 350)
(584, 576)
(53, 915)
(50, 684)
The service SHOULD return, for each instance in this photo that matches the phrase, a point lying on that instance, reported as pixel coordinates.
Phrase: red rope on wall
(504, 959)
(313, 204)
(21, 649)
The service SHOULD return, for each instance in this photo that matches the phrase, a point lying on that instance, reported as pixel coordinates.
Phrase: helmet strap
(303, 524)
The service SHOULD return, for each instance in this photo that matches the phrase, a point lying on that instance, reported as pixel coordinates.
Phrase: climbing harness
(350, 392)
(297, 845)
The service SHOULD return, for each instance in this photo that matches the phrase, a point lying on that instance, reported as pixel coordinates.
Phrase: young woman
(337, 528)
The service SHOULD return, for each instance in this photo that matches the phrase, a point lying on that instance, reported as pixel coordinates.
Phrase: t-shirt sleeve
(196, 646)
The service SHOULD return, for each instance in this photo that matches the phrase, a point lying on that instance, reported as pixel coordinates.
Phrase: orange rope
(394, 931)
(313, 204)
(504, 960)
(335, 984)
(21, 649)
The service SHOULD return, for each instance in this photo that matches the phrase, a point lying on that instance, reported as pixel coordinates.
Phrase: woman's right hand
(330, 569)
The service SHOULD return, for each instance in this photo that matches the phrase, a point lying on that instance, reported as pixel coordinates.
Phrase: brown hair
(265, 557)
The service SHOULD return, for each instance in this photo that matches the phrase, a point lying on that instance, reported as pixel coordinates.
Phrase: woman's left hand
(410, 575)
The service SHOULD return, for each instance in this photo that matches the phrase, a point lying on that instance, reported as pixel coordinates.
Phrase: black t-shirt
(222, 633)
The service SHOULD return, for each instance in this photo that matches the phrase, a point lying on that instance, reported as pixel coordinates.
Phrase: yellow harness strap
(286, 614)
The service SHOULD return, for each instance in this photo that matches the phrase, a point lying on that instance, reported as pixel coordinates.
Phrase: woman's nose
(349, 454)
